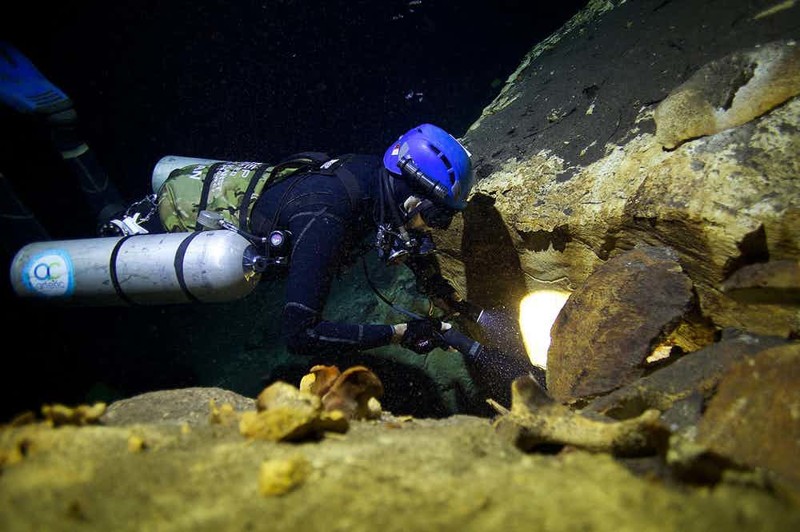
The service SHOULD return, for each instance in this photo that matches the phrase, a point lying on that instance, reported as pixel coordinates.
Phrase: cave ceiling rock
(511, 91)
(729, 92)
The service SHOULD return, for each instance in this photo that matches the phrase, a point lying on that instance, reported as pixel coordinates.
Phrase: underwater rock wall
(644, 159)
(662, 123)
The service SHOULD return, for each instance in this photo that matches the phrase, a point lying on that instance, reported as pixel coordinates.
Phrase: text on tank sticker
(49, 274)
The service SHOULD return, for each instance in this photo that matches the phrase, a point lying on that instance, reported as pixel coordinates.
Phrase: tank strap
(180, 254)
(206, 187)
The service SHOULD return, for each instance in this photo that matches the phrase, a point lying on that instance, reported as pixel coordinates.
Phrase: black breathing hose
(452, 337)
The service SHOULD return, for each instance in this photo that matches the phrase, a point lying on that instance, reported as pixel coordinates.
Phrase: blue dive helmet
(435, 163)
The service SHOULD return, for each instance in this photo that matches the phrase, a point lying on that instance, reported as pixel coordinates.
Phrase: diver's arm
(319, 236)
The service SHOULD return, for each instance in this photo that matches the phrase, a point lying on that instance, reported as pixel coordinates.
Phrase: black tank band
(179, 256)
(112, 268)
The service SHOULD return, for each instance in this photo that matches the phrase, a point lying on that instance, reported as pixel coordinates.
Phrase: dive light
(418, 177)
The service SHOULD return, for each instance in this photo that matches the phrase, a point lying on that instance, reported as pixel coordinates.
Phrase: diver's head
(429, 178)
(437, 173)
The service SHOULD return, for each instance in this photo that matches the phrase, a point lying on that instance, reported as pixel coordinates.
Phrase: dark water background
(244, 80)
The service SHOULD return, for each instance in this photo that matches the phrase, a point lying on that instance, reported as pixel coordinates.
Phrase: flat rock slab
(185, 405)
(754, 418)
(694, 373)
(610, 325)
(766, 283)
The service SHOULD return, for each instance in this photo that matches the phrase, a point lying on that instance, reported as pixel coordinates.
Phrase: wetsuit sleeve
(318, 237)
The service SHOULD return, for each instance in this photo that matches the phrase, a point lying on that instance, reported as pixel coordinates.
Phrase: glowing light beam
(537, 312)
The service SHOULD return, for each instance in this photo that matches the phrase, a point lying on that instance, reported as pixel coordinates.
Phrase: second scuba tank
(206, 266)
(185, 186)
(168, 164)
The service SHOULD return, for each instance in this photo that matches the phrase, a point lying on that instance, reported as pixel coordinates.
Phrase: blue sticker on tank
(49, 274)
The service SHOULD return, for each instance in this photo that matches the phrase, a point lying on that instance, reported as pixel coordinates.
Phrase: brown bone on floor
(536, 421)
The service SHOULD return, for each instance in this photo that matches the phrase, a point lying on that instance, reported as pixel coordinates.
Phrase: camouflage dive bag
(225, 187)
(228, 188)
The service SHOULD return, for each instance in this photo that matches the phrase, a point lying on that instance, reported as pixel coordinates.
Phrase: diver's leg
(26, 90)
(103, 198)
(18, 225)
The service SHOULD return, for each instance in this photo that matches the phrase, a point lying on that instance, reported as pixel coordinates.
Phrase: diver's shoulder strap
(320, 163)
(299, 162)
(338, 167)
(350, 183)
(247, 199)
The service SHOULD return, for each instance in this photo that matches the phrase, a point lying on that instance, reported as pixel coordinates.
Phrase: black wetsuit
(327, 222)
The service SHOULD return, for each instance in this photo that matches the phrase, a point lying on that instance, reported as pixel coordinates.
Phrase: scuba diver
(321, 208)
(326, 205)
(227, 223)
(312, 212)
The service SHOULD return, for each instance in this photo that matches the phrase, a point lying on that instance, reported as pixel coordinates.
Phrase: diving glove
(424, 335)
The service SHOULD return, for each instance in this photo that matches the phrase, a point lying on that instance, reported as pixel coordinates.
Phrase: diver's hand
(422, 336)
(399, 331)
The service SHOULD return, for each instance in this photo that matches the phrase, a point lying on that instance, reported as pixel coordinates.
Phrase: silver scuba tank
(204, 266)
